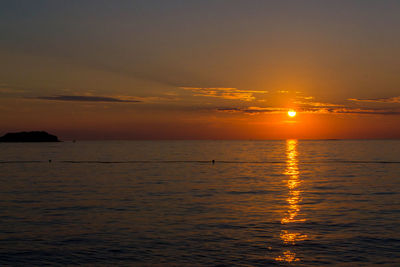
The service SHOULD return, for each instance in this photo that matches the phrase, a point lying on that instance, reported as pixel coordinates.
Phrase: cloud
(229, 109)
(307, 104)
(395, 99)
(326, 108)
(253, 110)
(225, 92)
(84, 98)
(366, 111)
(165, 97)
(314, 110)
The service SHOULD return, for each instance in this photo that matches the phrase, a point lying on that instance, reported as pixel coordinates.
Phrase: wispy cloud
(84, 98)
(165, 97)
(253, 110)
(314, 110)
(361, 111)
(308, 104)
(395, 99)
(225, 92)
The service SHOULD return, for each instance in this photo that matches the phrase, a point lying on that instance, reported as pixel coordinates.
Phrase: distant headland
(35, 136)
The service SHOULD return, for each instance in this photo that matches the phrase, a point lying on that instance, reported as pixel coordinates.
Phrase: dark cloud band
(395, 99)
(81, 98)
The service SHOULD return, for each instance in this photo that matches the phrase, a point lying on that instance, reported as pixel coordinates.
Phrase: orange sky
(209, 70)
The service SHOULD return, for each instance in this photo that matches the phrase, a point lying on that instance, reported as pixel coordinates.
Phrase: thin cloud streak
(305, 104)
(253, 110)
(338, 110)
(395, 99)
(225, 93)
(366, 111)
(83, 98)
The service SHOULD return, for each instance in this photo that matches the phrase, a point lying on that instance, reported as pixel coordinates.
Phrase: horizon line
(211, 139)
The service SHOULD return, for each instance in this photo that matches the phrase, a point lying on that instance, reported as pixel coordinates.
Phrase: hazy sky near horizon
(201, 69)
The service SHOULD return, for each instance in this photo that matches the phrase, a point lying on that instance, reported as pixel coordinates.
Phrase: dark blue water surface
(162, 203)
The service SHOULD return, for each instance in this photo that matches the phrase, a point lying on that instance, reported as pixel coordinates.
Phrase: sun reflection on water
(287, 256)
(292, 238)
(294, 199)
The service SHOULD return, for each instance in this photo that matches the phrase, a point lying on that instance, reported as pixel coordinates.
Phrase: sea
(200, 203)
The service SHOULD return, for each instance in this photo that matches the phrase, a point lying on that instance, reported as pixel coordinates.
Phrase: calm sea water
(162, 203)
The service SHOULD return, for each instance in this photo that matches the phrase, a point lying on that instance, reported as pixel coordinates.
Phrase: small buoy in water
(213, 161)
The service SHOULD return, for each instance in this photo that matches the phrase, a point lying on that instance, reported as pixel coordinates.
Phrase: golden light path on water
(292, 214)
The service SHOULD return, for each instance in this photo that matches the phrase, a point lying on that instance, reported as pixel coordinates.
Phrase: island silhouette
(34, 136)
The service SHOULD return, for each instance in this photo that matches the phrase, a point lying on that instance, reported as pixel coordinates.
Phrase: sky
(94, 70)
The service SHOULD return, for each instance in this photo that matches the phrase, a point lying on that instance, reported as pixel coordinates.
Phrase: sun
(291, 113)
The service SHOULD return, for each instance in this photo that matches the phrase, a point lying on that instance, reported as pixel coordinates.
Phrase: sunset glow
(292, 113)
(204, 133)
(192, 84)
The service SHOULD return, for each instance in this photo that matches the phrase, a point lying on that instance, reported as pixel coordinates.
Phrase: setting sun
(291, 113)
